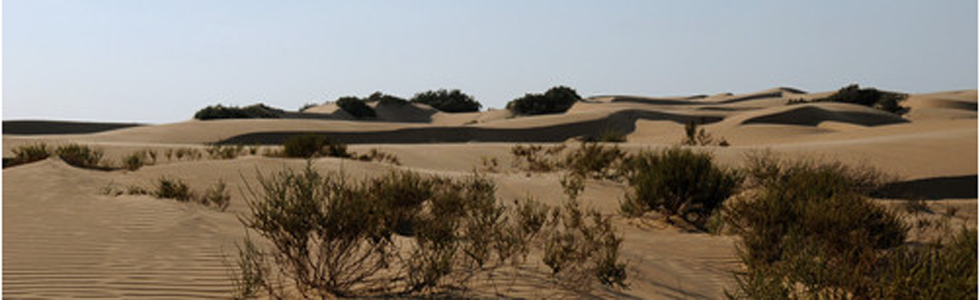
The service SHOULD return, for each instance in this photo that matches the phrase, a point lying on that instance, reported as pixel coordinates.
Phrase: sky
(160, 61)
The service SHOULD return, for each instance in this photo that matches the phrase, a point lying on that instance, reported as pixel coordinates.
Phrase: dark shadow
(31, 127)
(815, 115)
(931, 188)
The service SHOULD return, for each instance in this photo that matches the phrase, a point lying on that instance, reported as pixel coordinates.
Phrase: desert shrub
(556, 100)
(451, 101)
(694, 136)
(537, 158)
(678, 182)
(489, 164)
(217, 196)
(255, 111)
(870, 97)
(378, 156)
(188, 153)
(311, 145)
(943, 269)
(808, 231)
(173, 189)
(330, 237)
(216, 151)
(81, 156)
(355, 107)
(30, 153)
(138, 159)
(594, 160)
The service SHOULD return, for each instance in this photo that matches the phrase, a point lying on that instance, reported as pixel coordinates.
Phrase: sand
(63, 238)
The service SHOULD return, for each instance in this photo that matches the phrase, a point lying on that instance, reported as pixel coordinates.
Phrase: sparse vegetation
(870, 97)
(452, 101)
(138, 159)
(356, 107)
(255, 111)
(81, 156)
(311, 145)
(307, 106)
(331, 237)
(217, 196)
(30, 153)
(385, 99)
(489, 164)
(378, 156)
(694, 136)
(556, 100)
(216, 151)
(680, 183)
(596, 161)
(537, 158)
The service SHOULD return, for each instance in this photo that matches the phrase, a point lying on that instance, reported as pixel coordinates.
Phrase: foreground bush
(810, 232)
(678, 182)
(402, 234)
(311, 145)
(556, 100)
(255, 111)
(355, 107)
(451, 101)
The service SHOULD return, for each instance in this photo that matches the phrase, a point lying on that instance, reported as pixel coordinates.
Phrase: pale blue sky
(160, 61)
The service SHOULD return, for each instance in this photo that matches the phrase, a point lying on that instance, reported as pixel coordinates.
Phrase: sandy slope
(62, 238)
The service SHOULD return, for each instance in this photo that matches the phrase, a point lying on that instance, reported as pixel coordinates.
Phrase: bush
(30, 153)
(556, 100)
(378, 156)
(678, 182)
(81, 156)
(217, 196)
(870, 97)
(355, 107)
(385, 99)
(255, 111)
(173, 189)
(331, 237)
(311, 145)
(809, 232)
(593, 160)
(536, 158)
(225, 151)
(452, 101)
(695, 137)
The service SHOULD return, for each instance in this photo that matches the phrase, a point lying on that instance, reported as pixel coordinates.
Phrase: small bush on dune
(870, 97)
(678, 182)
(452, 101)
(355, 107)
(217, 196)
(593, 160)
(30, 153)
(556, 100)
(255, 111)
(225, 151)
(81, 156)
(138, 159)
(311, 145)
(173, 189)
(536, 158)
(378, 156)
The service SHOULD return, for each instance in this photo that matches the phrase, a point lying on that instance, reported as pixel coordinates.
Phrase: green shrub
(678, 182)
(556, 100)
(870, 97)
(30, 153)
(311, 145)
(355, 107)
(80, 156)
(451, 101)
(255, 111)
(809, 232)
(173, 189)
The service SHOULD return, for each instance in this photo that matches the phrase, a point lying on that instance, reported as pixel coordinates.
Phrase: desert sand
(63, 238)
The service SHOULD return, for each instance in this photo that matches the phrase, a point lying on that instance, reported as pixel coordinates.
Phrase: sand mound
(815, 113)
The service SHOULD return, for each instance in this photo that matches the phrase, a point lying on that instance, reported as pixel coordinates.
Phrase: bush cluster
(451, 101)
(216, 196)
(678, 182)
(30, 153)
(255, 111)
(137, 159)
(356, 107)
(556, 100)
(870, 97)
(401, 234)
(589, 160)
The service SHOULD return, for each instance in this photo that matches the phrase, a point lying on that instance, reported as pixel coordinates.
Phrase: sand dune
(64, 239)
